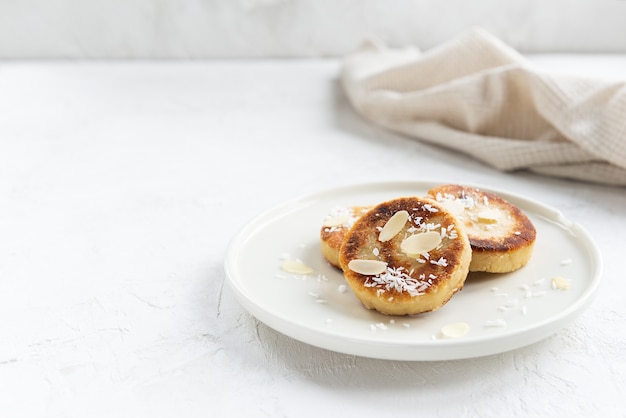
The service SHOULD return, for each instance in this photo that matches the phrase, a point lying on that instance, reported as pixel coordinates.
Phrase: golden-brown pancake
(501, 235)
(334, 228)
(405, 256)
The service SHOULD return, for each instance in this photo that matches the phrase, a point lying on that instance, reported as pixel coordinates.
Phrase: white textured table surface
(121, 185)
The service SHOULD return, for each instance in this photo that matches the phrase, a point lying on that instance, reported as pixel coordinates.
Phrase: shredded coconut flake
(496, 323)
(430, 208)
(441, 262)
(512, 303)
(340, 217)
(396, 279)
(531, 294)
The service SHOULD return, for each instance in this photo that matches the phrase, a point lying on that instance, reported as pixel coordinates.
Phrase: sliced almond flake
(488, 216)
(280, 276)
(560, 283)
(336, 221)
(430, 208)
(420, 243)
(367, 267)
(393, 226)
(296, 267)
(511, 303)
(456, 330)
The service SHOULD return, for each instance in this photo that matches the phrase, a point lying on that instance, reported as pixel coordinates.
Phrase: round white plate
(503, 311)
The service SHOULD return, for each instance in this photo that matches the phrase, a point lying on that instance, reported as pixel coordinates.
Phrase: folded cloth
(477, 95)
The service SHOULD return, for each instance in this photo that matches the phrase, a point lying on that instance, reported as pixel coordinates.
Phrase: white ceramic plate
(504, 311)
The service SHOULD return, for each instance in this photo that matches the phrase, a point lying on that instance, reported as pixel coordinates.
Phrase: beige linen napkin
(478, 96)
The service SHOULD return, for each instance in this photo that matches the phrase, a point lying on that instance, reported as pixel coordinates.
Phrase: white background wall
(295, 28)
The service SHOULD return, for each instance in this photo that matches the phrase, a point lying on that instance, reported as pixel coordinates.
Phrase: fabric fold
(478, 96)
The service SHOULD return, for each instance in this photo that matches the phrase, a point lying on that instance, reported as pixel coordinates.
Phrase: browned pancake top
(407, 275)
(341, 220)
(519, 231)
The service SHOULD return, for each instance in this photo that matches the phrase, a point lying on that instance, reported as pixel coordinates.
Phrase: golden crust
(412, 284)
(501, 241)
(334, 229)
